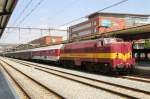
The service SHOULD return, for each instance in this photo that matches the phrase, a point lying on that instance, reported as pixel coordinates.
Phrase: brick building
(102, 22)
(46, 40)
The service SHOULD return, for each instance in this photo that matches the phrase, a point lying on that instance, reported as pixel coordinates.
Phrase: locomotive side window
(108, 40)
(119, 40)
(111, 40)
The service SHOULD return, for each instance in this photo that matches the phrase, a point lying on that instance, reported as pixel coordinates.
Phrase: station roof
(133, 33)
(6, 9)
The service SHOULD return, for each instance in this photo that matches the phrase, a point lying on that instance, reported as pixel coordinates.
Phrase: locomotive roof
(87, 43)
(94, 40)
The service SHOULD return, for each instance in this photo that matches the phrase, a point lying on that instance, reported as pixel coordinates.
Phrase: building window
(53, 40)
(94, 30)
(85, 32)
(81, 27)
(136, 21)
(93, 23)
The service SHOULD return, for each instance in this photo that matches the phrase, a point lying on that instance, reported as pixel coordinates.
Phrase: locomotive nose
(127, 55)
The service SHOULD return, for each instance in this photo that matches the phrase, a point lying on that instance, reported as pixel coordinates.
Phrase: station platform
(6, 91)
(143, 68)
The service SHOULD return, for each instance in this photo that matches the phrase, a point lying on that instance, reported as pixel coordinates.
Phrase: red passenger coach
(51, 53)
(99, 55)
(48, 53)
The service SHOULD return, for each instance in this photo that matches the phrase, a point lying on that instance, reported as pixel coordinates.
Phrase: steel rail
(47, 88)
(135, 79)
(125, 87)
(99, 81)
(15, 81)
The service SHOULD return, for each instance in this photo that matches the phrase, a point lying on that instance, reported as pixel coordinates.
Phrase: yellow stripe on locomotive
(98, 55)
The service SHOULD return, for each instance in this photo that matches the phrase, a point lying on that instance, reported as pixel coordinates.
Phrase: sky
(54, 13)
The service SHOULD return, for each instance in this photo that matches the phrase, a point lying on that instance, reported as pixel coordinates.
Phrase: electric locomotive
(104, 55)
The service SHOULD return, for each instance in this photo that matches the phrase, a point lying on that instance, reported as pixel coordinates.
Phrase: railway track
(133, 77)
(28, 85)
(19, 90)
(130, 77)
(89, 81)
(136, 78)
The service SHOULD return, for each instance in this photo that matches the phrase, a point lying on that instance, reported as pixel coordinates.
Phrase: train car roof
(40, 48)
(48, 47)
(91, 43)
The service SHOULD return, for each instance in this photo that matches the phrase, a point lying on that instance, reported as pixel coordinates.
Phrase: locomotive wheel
(67, 64)
(126, 71)
(99, 68)
(91, 67)
(132, 70)
(88, 68)
(105, 69)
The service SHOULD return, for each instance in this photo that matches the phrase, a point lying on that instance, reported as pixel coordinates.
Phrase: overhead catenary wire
(64, 8)
(110, 6)
(10, 30)
(32, 10)
(22, 12)
(113, 5)
(7, 31)
(26, 7)
(36, 28)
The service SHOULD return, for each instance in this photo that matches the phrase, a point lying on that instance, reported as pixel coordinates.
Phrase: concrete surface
(6, 92)
(143, 68)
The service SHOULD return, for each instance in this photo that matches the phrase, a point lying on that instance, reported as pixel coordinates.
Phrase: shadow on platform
(6, 92)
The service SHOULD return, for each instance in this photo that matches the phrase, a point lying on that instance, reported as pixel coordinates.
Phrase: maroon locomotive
(105, 54)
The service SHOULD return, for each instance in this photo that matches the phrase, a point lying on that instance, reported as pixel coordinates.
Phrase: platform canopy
(6, 9)
(133, 33)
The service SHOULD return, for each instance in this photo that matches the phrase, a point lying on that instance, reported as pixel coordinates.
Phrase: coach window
(93, 23)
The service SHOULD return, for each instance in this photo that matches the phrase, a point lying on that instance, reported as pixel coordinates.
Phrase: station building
(102, 22)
